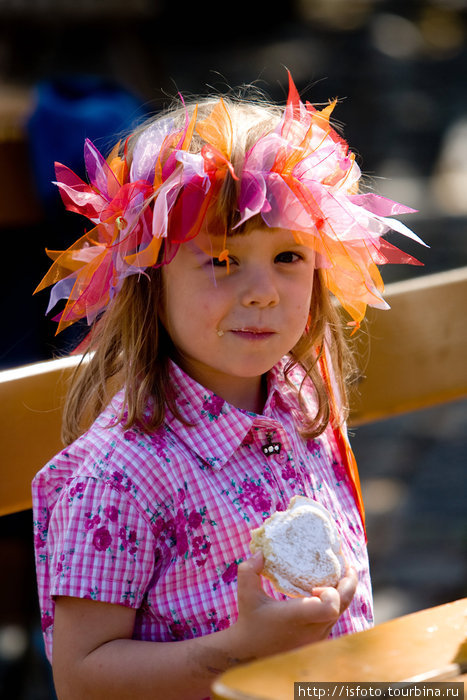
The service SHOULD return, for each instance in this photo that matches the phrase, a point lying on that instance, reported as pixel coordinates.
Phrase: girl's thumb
(249, 580)
(256, 561)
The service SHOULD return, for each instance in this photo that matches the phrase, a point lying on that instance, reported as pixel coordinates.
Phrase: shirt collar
(215, 428)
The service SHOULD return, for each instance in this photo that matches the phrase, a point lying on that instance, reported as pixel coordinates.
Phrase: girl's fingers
(346, 588)
(323, 606)
(315, 609)
(333, 601)
(256, 561)
(326, 605)
(249, 580)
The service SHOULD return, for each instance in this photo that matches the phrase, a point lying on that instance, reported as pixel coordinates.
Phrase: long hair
(130, 349)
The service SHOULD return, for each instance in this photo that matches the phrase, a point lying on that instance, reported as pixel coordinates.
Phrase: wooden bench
(414, 355)
(31, 400)
(423, 647)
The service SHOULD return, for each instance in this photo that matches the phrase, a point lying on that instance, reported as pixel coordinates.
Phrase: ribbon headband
(299, 176)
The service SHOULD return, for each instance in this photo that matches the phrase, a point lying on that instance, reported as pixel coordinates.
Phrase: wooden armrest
(392, 651)
(31, 402)
(414, 355)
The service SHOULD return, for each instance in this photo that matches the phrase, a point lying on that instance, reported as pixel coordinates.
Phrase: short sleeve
(100, 545)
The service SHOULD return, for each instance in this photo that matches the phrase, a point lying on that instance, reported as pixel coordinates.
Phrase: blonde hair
(130, 347)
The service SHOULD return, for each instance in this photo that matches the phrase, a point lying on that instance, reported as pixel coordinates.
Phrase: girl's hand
(267, 626)
(96, 658)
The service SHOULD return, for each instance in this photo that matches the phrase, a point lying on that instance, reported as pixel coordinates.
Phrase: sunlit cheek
(176, 317)
(195, 319)
(303, 324)
(304, 312)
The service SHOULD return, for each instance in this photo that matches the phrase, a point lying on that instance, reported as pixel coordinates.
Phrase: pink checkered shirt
(160, 522)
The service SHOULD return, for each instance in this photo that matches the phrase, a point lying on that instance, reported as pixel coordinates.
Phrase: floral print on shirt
(161, 522)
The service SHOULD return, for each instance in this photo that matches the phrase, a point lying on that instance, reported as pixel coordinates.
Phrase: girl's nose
(259, 289)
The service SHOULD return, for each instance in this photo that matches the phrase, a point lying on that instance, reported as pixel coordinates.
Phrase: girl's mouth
(253, 333)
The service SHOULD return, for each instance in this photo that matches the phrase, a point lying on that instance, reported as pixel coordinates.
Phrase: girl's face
(232, 326)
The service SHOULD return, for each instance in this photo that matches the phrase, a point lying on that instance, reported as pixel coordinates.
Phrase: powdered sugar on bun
(301, 548)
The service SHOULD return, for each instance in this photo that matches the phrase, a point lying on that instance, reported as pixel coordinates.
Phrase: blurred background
(95, 68)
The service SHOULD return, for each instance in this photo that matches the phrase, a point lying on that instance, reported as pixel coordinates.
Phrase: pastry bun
(301, 548)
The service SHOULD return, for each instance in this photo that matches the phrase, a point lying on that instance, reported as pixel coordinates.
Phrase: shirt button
(271, 449)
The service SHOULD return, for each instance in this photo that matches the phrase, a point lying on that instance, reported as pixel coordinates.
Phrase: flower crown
(301, 176)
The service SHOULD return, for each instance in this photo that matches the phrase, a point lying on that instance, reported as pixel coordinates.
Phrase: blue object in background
(68, 110)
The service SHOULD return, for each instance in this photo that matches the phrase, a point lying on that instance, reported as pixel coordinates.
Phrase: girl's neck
(252, 397)
(247, 393)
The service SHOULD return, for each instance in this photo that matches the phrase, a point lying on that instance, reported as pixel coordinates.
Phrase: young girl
(214, 392)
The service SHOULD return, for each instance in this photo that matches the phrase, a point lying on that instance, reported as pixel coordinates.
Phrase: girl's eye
(224, 262)
(288, 257)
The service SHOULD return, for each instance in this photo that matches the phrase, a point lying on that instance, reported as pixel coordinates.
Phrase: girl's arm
(95, 657)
